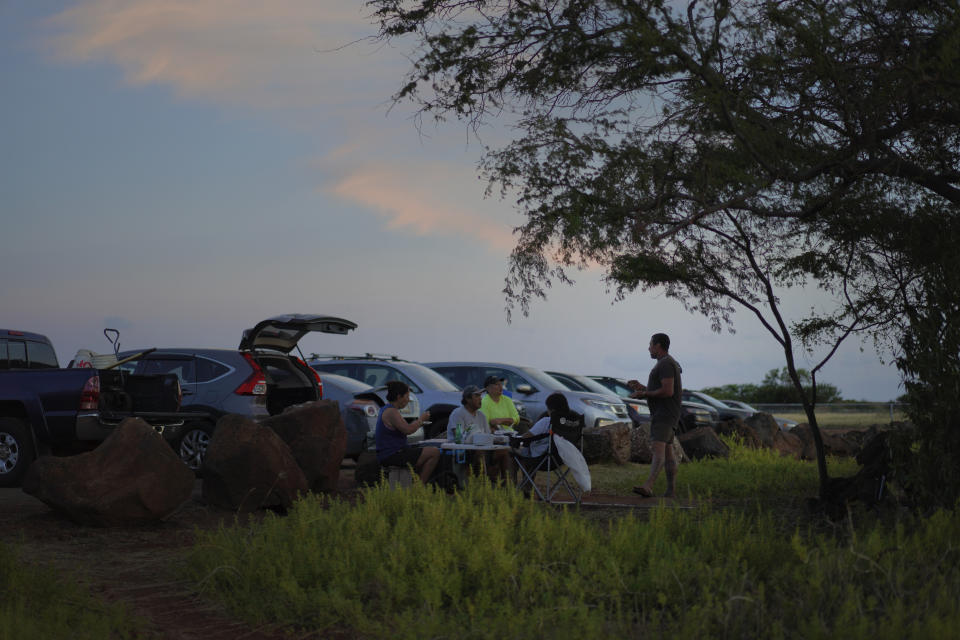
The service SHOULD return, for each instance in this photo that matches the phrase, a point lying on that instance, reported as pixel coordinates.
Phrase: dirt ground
(134, 565)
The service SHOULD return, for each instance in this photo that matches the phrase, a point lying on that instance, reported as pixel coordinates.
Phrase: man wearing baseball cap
(470, 419)
(500, 411)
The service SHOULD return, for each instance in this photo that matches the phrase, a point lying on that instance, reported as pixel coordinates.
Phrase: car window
(540, 379)
(182, 367)
(208, 370)
(430, 378)
(573, 383)
(377, 375)
(17, 355)
(456, 375)
(41, 356)
(345, 370)
(3, 354)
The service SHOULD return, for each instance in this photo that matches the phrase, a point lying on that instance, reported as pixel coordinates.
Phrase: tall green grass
(487, 563)
(35, 602)
(747, 474)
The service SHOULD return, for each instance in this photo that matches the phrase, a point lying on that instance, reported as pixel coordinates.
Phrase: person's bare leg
(670, 467)
(656, 465)
(427, 462)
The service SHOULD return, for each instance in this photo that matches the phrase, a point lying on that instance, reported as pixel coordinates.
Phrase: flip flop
(643, 491)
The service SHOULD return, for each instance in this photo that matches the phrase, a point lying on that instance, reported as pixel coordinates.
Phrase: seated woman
(392, 431)
(536, 447)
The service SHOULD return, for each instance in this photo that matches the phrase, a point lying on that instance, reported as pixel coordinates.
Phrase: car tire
(16, 451)
(192, 445)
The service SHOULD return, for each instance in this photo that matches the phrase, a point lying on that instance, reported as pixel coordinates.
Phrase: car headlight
(599, 404)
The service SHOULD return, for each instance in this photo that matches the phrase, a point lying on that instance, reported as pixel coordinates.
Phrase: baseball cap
(470, 390)
(491, 380)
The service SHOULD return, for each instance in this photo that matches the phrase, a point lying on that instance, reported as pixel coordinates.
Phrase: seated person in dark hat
(471, 420)
(501, 413)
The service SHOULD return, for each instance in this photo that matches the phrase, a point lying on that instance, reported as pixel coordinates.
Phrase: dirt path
(133, 565)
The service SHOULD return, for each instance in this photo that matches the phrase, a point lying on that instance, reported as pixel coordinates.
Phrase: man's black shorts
(402, 458)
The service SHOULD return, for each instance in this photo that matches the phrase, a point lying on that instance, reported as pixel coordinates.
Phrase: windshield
(347, 384)
(542, 380)
(592, 385)
(430, 379)
(702, 397)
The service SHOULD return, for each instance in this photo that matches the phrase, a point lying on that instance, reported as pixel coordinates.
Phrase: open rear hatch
(289, 380)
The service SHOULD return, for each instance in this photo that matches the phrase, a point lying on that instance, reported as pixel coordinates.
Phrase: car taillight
(316, 376)
(90, 396)
(369, 407)
(256, 383)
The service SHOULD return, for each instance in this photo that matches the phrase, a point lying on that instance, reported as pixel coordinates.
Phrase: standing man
(664, 393)
(500, 411)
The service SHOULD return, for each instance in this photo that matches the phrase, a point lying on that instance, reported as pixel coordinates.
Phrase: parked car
(532, 386)
(637, 410)
(726, 411)
(44, 408)
(785, 423)
(360, 406)
(435, 393)
(692, 416)
(260, 378)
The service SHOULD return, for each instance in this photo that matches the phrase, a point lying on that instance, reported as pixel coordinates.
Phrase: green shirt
(504, 408)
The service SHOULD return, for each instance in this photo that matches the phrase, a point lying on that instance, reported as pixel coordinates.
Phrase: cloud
(279, 54)
(425, 199)
(293, 61)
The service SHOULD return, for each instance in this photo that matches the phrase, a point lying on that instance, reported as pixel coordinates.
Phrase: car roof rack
(367, 356)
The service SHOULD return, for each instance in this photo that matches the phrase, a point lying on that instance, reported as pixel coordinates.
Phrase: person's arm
(393, 419)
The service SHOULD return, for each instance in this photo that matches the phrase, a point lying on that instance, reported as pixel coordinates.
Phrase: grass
(847, 420)
(748, 474)
(487, 563)
(37, 603)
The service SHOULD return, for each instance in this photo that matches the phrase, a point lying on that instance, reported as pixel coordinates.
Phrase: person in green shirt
(500, 411)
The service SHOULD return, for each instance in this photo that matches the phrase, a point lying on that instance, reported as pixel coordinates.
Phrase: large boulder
(609, 443)
(765, 426)
(737, 428)
(316, 435)
(249, 467)
(833, 445)
(703, 442)
(132, 477)
(641, 449)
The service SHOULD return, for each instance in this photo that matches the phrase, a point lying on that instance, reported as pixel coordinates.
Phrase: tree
(724, 152)
(776, 388)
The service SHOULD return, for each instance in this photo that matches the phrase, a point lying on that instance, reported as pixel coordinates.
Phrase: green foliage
(35, 602)
(930, 363)
(748, 474)
(776, 388)
(488, 564)
(723, 153)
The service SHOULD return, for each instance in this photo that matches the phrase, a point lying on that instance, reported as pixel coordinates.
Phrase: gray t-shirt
(469, 422)
(665, 409)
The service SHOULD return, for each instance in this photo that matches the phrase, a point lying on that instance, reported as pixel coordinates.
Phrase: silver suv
(259, 379)
(436, 394)
(532, 386)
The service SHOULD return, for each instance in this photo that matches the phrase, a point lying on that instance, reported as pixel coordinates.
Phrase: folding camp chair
(569, 426)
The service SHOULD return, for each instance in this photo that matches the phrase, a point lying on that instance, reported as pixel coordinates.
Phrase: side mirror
(525, 389)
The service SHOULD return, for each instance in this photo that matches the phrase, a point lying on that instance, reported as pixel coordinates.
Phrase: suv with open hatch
(260, 378)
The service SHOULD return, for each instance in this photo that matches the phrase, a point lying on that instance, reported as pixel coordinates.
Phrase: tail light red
(256, 383)
(90, 396)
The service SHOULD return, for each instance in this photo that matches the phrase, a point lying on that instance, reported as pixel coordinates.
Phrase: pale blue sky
(180, 169)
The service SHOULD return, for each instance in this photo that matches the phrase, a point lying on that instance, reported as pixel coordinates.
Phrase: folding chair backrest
(569, 426)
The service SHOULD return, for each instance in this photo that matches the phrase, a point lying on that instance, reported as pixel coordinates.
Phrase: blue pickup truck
(45, 409)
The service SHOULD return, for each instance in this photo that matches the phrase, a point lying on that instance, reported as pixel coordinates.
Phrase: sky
(181, 169)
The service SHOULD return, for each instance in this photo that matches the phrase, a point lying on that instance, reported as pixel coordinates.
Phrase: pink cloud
(424, 200)
(278, 54)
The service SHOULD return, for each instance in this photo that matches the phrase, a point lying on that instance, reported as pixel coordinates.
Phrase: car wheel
(192, 447)
(16, 451)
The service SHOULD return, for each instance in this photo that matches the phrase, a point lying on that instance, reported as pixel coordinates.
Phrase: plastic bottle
(458, 433)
